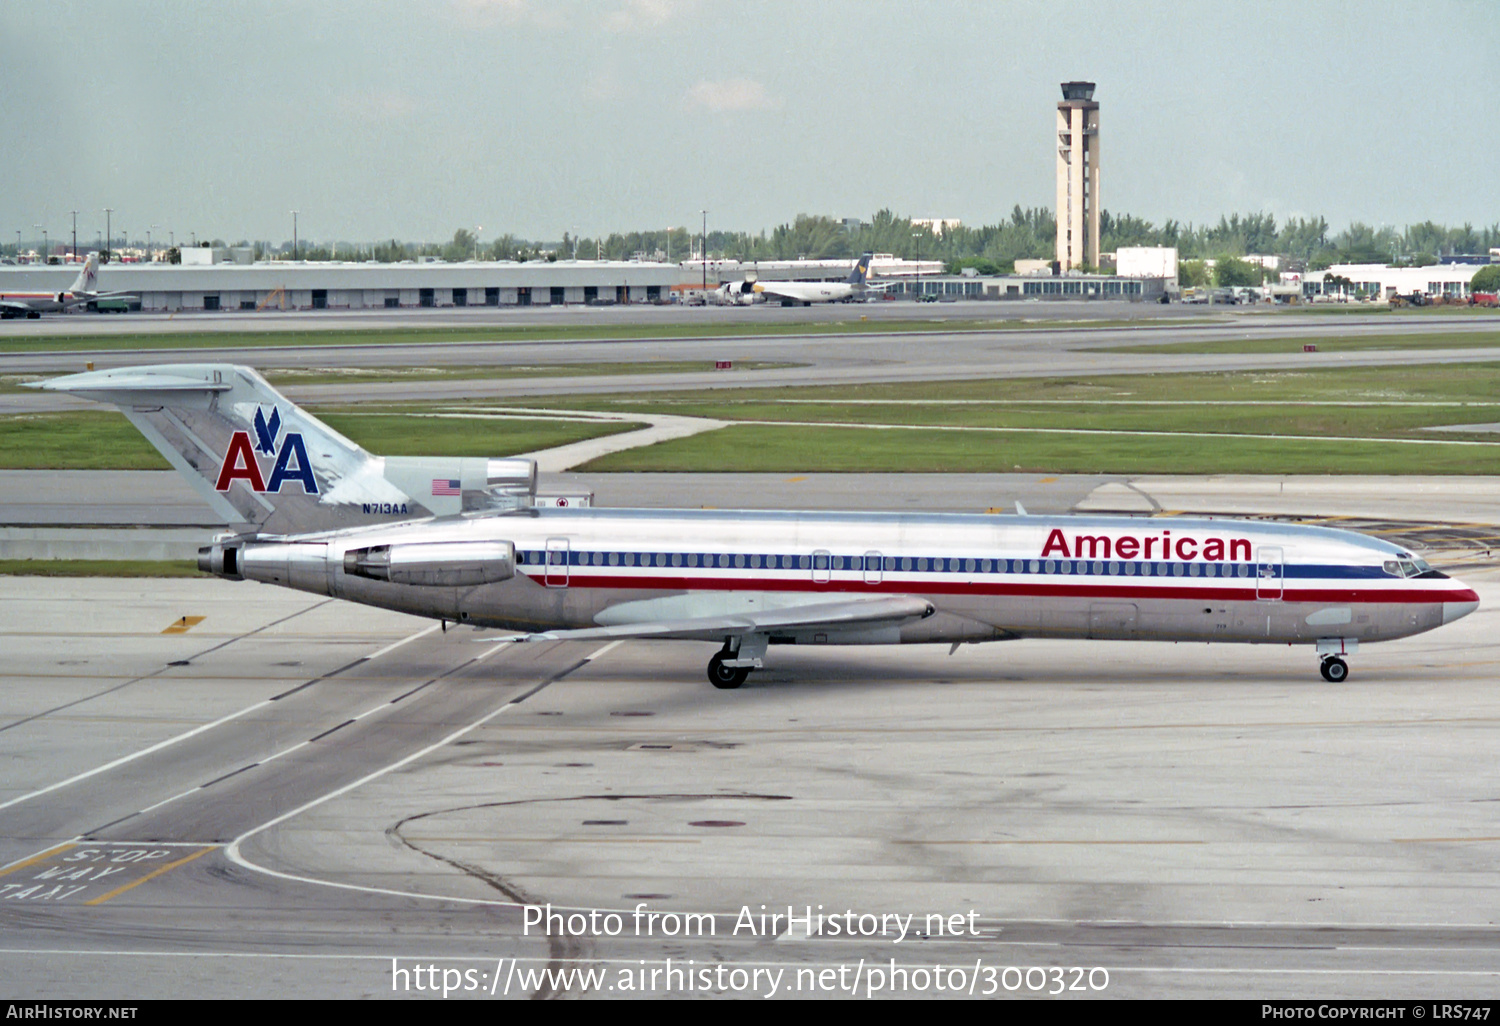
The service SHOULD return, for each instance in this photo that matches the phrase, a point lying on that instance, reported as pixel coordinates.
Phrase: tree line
(1028, 233)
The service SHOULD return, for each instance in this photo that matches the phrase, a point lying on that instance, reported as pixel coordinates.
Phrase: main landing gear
(1335, 670)
(730, 666)
(726, 677)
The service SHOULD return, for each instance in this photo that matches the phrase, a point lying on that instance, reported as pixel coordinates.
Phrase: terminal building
(205, 286)
(318, 285)
(1380, 283)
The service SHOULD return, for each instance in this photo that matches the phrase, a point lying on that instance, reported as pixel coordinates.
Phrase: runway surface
(226, 789)
(876, 357)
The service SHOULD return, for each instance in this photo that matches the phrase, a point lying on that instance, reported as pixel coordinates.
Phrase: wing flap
(867, 613)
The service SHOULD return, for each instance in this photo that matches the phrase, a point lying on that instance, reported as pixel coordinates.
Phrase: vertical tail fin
(88, 277)
(264, 463)
(861, 269)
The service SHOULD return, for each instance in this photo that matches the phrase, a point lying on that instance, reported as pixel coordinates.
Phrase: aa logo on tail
(240, 463)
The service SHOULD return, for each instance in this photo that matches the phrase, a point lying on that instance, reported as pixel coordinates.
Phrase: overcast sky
(409, 120)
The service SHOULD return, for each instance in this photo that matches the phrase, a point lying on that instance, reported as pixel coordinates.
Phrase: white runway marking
(232, 850)
(124, 759)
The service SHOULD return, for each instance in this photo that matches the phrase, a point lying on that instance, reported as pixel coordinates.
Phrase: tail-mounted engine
(434, 564)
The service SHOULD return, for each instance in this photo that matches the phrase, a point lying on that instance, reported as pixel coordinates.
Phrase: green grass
(1373, 409)
(107, 441)
(1448, 383)
(1331, 344)
(398, 435)
(535, 333)
(360, 375)
(752, 448)
(100, 568)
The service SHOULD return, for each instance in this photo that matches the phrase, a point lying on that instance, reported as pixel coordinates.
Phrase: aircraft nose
(1469, 602)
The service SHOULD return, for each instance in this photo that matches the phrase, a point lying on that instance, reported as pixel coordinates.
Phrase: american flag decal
(444, 486)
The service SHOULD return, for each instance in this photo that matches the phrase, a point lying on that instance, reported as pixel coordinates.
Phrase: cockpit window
(1410, 567)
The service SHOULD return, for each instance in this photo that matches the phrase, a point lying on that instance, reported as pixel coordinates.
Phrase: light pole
(477, 229)
(704, 254)
(918, 237)
(149, 258)
(44, 241)
(75, 233)
(18, 245)
(109, 240)
(294, 235)
(669, 244)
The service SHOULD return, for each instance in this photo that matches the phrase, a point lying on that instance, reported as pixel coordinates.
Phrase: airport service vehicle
(463, 540)
(790, 293)
(83, 290)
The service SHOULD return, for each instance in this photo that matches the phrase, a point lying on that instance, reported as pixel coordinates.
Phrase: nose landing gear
(1332, 651)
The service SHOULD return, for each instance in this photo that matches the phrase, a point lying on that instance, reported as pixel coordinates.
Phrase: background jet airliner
(804, 292)
(85, 289)
(460, 540)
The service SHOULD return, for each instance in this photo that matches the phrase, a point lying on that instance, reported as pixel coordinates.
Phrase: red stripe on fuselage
(577, 579)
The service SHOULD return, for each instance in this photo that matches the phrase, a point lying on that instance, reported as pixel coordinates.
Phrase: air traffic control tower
(1077, 177)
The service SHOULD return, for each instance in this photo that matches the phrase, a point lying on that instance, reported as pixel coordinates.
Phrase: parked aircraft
(461, 539)
(85, 289)
(790, 293)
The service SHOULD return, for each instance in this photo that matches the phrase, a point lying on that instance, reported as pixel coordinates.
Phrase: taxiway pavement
(288, 793)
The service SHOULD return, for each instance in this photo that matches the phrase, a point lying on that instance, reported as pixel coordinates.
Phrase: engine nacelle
(434, 564)
(739, 293)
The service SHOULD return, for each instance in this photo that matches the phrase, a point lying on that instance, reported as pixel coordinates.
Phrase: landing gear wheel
(726, 678)
(1335, 670)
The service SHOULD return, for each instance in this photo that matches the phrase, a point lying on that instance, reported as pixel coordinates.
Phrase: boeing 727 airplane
(85, 289)
(461, 539)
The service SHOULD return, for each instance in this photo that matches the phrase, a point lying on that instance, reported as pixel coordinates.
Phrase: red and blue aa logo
(241, 463)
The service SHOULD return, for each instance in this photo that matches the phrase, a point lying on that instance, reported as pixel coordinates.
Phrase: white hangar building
(317, 285)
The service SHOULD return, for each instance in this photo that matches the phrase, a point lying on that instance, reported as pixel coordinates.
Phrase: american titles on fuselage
(1130, 546)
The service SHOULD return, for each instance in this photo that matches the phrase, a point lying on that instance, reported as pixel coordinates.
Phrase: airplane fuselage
(20, 304)
(986, 577)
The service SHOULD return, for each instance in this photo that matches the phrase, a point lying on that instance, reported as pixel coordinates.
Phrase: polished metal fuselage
(988, 577)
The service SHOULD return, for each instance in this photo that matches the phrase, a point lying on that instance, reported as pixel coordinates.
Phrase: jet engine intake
(434, 564)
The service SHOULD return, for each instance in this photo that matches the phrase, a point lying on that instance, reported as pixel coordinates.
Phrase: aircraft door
(873, 563)
(822, 566)
(1269, 572)
(556, 573)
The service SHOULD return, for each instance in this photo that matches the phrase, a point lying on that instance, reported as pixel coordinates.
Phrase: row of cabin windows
(917, 564)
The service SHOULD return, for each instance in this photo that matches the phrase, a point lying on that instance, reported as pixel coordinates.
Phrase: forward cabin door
(1269, 572)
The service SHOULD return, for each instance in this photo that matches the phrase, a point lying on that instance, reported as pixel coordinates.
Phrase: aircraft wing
(11, 304)
(865, 613)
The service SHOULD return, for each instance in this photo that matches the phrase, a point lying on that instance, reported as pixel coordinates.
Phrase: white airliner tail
(88, 278)
(268, 466)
